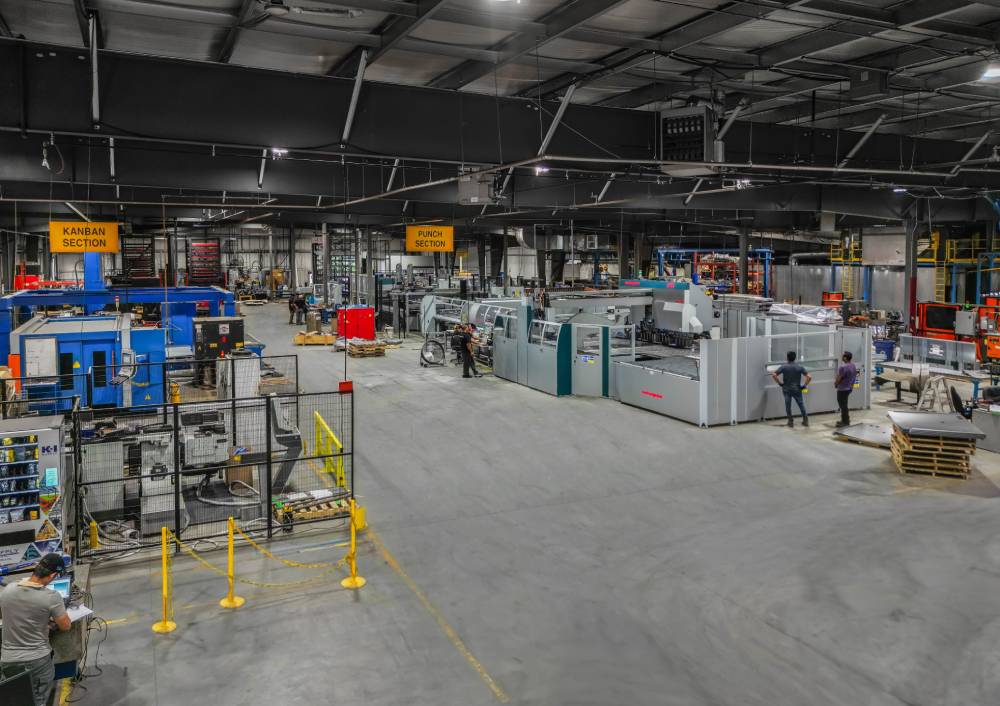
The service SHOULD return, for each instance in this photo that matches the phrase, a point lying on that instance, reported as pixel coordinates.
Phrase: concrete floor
(576, 551)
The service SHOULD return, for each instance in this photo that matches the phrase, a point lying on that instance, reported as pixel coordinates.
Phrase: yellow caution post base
(164, 626)
(354, 582)
(234, 602)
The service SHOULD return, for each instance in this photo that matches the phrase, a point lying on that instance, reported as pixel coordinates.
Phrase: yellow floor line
(448, 630)
(65, 692)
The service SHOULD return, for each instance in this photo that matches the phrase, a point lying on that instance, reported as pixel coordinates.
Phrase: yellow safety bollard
(166, 624)
(231, 600)
(94, 539)
(353, 581)
(175, 393)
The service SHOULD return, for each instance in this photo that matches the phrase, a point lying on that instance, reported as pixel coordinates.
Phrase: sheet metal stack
(933, 444)
(363, 348)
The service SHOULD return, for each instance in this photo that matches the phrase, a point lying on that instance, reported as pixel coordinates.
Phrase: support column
(481, 261)
(558, 265)
(292, 279)
(622, 254)
(911, 226)
(326, 267)
(540, 265)
(506, 264)
(170, 267)
(744, 254)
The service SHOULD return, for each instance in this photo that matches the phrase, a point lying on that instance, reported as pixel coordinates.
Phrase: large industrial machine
(977, 324)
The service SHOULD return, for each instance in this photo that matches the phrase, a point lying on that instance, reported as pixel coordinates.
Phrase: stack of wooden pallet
(933, 444)
(313, 338)
(362, 348)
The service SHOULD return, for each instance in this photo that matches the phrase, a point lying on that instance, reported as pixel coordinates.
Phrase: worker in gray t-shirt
(793, 379)
(29, 610)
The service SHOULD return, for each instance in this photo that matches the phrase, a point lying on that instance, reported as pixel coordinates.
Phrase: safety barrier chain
(167, 537)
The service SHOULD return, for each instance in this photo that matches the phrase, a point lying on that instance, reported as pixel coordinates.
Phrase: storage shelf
(30, 475)
(21, 507)
(21, 492)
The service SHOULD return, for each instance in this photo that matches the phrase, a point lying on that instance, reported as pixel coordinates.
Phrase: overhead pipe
(972, 150)
(861, 143)
(740, 107)
(95, 92)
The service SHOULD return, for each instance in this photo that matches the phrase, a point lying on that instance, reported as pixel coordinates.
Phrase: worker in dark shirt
(847, 373)
(791, 381)
(292, 307)
(300, 309)
(468, 362)
(30, 611)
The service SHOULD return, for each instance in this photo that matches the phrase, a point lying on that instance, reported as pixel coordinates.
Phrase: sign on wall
(430, 238)
(79, 236)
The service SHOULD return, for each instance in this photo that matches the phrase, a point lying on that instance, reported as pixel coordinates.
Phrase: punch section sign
(79, 236)
(430, 238)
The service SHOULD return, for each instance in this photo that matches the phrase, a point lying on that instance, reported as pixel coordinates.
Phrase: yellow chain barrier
(166, 623)
(286, 562)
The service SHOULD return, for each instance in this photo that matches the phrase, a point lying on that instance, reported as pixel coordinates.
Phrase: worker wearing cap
(29, 612)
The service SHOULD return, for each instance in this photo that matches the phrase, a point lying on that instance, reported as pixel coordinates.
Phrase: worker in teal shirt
(792, 385)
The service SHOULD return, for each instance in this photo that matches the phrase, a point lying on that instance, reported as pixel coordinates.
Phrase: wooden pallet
(366, 351)
(935, 459)
(937, 444)
(313, 339)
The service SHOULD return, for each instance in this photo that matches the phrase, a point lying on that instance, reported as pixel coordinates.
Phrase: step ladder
(940, 282)
(847, 277)
(934, 397)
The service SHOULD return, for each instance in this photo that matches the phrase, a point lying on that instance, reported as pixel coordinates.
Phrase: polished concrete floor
(544, 551)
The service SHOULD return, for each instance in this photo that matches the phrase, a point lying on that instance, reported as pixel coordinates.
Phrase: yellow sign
(79, 236)
(430, 238)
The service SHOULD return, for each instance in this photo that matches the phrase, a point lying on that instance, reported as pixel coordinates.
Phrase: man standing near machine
(29, 609)
(847, 373)
(292, 307)
(468, 361)
(792, 386)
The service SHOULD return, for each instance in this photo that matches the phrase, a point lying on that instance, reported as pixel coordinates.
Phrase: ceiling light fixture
(278, 152)
(992, 71)
(898, 190)
(541, 169)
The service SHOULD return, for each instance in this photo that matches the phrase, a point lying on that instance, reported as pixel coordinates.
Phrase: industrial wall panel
(888, 249)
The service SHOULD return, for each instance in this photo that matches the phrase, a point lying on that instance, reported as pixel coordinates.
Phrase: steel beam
(390, 36)
(229, 43)
(352, 107)
(5, 30)
(562, 20)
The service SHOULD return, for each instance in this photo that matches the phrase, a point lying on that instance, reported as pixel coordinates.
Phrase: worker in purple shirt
(847, 373)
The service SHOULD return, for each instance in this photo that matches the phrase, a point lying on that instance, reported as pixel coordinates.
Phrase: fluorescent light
(278, 152)
(992, 71)
(898, 190)
(541, 169)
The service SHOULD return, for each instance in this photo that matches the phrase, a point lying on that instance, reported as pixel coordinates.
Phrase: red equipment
(356, 322)
(833, 299)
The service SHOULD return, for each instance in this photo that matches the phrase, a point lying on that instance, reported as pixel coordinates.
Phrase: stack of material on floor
(313, 338)
(933, 444)
(363, 348)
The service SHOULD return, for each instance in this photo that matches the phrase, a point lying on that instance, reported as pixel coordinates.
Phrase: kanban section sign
(73, 236)
(430, 238)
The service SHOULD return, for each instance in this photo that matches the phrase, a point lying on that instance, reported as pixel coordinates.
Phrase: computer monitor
(61, 586)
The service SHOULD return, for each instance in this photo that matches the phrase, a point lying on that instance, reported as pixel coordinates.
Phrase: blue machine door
(99, 364)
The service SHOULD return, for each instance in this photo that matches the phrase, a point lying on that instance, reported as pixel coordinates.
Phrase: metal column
(744, 254)
(292, 280)
(326, 267)
(911, 226)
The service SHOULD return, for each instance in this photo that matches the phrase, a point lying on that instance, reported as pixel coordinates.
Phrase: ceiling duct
(476, 188)
(689, 135)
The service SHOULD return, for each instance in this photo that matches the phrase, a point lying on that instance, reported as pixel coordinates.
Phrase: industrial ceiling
(197, 95)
